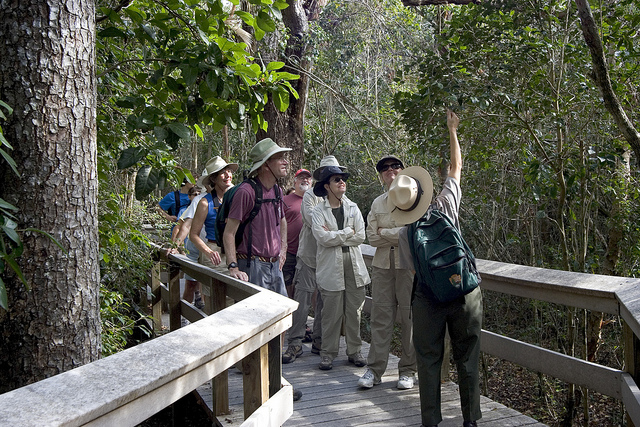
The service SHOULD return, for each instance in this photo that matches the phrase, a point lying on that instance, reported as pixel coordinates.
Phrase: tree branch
(603, 80)
(118, 8)
(437, 2)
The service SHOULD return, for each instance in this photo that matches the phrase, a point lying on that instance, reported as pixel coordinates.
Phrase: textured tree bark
(602, 78)
(47, 74)
(287, 128)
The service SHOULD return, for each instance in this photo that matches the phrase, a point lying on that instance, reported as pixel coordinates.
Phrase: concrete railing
(130, 386)
(608, 294)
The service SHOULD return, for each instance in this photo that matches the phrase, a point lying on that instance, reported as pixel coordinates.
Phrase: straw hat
(261, 152)
(326, 161)
(410, 195)
(327, 172)
(215, 165)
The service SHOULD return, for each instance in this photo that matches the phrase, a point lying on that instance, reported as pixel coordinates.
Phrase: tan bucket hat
(410, 195)
(214, 165)
(261, 152)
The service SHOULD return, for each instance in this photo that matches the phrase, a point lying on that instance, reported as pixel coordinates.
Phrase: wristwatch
(232, 265)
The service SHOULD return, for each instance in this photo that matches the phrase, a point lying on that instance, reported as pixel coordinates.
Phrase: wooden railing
(608, 294)
(130, 386)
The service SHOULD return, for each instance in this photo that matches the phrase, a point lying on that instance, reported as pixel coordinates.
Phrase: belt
(260, 258)
(211, 241)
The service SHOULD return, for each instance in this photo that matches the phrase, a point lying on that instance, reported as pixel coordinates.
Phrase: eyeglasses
(394, 166)
(338, 179)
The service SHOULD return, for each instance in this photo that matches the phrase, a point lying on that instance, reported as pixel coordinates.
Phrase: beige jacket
(329, 265)
(382, 232)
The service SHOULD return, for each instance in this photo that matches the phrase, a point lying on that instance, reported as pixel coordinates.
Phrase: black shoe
(469, 424)
(314, 349)
(307, 336)
(297, 394)
(326, 363)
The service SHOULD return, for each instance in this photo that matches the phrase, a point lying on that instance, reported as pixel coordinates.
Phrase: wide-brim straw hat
(328, 172)
(327, 161)
(215, 165)
(410, 195)
(262, 151)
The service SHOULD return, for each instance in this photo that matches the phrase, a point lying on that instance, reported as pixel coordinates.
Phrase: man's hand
(238, 274)
(452, 120)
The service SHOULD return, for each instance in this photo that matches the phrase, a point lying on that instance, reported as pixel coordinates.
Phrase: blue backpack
(445, 266)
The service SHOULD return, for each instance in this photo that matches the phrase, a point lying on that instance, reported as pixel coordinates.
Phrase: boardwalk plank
(332, 398)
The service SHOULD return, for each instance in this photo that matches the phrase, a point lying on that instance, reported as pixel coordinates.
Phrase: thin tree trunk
(47, 74)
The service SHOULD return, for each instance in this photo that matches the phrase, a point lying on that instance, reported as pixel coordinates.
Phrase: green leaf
(6, 205)
(146, 181)
(10, 161)
(4, 303)
(180, 130)
(112, 32)
(265, 22)
(281, 100)
(274, 65)
(160, 133)
(199, 131)
(131, 156)
(6, 107)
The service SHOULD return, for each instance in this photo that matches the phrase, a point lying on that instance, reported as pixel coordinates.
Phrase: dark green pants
(463, 318)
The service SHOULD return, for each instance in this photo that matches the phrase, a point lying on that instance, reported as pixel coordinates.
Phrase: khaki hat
(410, 195)
(262, 151)
(215, 165)
(326, 161)
(383, 160)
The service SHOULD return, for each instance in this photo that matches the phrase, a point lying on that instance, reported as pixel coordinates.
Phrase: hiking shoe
(199, 303)
(470, 424)
(314, 349)
(326, 363)
(357, 359)
(293, 351)
(297, 394)
(368, 380)
(307, 335)
(405, 382)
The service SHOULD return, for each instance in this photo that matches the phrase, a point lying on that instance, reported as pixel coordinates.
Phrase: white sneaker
(368, 380)
(405, 382)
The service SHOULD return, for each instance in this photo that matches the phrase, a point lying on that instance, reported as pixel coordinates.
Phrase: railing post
(156, 302)
(255, 381)
(631, 358)
(174, 296)
(216, 301)
(275, 365)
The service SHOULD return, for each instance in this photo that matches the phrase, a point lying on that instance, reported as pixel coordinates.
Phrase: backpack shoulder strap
(176, 195)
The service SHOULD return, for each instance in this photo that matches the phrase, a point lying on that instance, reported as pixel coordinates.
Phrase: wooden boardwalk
(332, 398)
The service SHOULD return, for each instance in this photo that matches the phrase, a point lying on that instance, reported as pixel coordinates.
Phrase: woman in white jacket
(341, 274)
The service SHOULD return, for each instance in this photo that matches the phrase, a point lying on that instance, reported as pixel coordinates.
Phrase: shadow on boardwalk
(332, 398)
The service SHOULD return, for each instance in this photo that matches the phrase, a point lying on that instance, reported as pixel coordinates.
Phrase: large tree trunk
(287, 128)
(47, 74)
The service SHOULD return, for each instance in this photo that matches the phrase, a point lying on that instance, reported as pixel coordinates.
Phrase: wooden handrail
(128, 387)
(608, 294)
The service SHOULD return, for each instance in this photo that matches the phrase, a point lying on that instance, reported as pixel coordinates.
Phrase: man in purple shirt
(262, 263)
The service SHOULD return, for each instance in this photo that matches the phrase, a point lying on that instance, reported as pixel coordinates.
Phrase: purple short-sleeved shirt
(292, 205)
(265, 240)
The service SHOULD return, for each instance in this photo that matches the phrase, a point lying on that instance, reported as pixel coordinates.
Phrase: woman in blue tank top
(220, 179)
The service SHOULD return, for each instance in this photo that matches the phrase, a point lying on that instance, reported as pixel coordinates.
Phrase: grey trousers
(305, 286)
(463, 317)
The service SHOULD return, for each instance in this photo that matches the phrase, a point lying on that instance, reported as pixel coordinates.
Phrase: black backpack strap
(257, 188)
(176, 195)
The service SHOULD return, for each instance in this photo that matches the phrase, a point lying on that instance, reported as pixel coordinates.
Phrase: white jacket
(329, 266)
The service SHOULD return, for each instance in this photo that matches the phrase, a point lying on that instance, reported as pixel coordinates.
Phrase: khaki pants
(204, 259)
(339, 305)
(391, 293)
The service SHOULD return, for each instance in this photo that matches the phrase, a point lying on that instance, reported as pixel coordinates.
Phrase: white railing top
(128, 387)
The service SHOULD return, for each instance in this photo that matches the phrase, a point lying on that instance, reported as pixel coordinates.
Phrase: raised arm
(456, 156)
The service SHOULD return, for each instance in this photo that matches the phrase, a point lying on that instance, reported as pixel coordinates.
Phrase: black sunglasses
(337, 179)
(394, 166)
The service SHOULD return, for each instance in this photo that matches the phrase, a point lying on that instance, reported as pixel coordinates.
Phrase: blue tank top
(210, 221)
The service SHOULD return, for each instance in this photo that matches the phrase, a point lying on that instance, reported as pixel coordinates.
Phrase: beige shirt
(382, 232)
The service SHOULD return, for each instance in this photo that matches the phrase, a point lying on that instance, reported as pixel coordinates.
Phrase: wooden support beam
(255, 381)
(156, 302)
(174, 297)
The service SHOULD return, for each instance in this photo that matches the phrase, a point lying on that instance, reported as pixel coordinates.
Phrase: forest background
(548, 179)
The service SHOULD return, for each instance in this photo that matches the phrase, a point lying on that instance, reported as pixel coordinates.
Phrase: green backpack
(445, 266)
